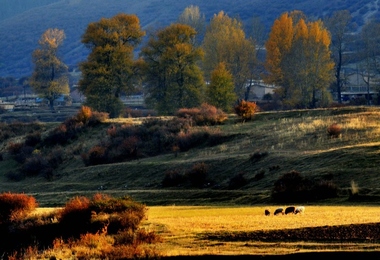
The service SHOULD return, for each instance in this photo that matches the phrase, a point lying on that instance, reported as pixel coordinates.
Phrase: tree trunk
(51, 105)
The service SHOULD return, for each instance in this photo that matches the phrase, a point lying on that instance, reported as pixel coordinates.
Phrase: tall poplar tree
(339, 27)
(299, 61)
(50, 77)
(225, 41)
(193, 17)
(173, 80)
(110, 69)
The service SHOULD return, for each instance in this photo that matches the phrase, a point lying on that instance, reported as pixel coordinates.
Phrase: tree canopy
(225, 41)
(173, 79)
(299, 60)
(110, 69)
(220, 91)
(50, 77)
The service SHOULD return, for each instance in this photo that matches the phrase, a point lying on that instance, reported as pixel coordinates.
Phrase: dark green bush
(238, 181)
(293, 187)
(173, 178)
(197, 175)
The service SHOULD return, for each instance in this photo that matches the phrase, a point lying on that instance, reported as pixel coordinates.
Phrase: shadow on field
(296, 256)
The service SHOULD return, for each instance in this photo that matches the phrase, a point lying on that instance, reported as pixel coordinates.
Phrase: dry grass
(181, 227)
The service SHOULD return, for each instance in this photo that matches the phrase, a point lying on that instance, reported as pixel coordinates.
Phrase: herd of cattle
(288, 210)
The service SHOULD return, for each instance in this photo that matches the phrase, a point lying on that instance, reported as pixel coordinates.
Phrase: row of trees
(188, 63)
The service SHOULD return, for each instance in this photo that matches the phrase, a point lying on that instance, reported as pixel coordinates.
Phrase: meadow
(187, 230)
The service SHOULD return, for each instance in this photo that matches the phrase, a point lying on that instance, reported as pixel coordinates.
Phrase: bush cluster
(293, 187)
(151, 138)
(72, 127)
(237, 181)
(17, 128)
(204, 115)
(246, 109)
(101, 227)
(14, 206)
(40, 156)
(196, 176)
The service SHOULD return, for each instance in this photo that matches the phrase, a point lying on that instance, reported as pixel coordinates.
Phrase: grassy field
(186, 228)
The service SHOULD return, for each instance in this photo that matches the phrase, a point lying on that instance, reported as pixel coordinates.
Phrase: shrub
(246, 109)
(14, 206)
(33, 139)
(334, 130)
(84, 115)
(325, 189)
(197, 175)
(34, 165)
(204, 115)
(96, 155)
(293, 187)
(14, 148)
(257, 156)
(98, 117)
(172, 178)
(75, 216)
(237, 181)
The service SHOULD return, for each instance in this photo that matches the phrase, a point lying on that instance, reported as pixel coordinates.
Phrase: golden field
(182, 228)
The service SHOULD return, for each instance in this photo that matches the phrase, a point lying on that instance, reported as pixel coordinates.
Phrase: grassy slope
(20, 33)
(294, 140)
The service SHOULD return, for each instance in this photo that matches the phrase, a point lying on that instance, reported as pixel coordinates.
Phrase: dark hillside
(22, 25)
(242, 164)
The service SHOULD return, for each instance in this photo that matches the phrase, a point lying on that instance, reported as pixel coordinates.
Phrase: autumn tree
(225, 41)
(220, 91)
(299, 61)
(110, 69)
(50, 77)
(194, 18)
(339, 26)
(173, 80)
(368, 46)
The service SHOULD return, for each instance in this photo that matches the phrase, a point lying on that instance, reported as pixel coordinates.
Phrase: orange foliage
(14, 206)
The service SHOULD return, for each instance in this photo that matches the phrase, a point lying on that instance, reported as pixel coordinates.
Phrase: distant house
(7, 106)
(259, 89)
(356, 87)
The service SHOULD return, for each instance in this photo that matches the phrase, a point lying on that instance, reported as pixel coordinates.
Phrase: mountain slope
(21, 26)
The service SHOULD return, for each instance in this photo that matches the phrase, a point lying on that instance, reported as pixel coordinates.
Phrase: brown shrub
(96, 155)
(334, 130)
(246, 109)
(204, 115)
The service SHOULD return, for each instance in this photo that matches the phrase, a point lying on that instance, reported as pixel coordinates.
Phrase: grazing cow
(290, 210)
(267, 212)
(300, 209)
(279, 211)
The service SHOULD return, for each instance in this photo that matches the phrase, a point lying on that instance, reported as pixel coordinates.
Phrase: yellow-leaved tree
(225, 41)
(299, 61)
(220, 92)
(50, 77)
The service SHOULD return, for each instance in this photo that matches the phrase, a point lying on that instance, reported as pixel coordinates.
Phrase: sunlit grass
(180, 227)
